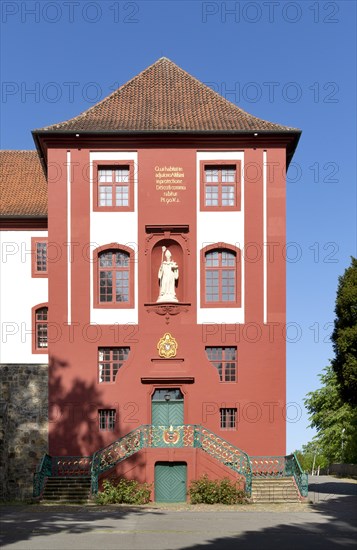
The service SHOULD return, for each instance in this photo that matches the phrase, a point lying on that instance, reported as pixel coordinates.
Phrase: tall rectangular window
(220, 271)
(39, 256)
(114, 276)
(110, 360)
(106, 419)
(224, 359)
(220, 188)
(114, 187)
(228, 418)
(40, 329)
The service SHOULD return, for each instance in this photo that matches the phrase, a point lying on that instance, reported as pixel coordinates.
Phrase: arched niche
(156, 257)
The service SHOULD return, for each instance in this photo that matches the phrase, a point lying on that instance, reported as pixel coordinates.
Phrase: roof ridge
(18, 151)
(164, 97)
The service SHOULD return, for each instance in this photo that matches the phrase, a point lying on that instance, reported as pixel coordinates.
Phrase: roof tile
(23, 186)
(164, 97)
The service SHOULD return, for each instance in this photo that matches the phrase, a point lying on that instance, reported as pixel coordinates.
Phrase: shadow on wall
(73, 414)
(73, 422)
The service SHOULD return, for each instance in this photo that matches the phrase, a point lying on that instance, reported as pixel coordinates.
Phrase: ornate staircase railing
(293, 468)
(189, 435)
(108, 457)
(226, 453)
(265, 467)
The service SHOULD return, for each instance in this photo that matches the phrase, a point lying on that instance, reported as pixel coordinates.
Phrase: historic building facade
(143, 260)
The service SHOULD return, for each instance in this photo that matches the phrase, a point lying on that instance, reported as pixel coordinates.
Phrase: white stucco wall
(214, 227)
(19, 293)
(114, 227)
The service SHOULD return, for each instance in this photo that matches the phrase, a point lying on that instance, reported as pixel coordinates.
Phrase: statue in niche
(168, 274)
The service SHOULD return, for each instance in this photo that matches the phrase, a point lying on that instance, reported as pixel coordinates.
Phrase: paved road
(328, 523)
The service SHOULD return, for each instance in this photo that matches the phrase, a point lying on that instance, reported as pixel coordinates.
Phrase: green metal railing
(61, 466)
(268, 466)
(43, 471)
(280, 466)
(226, 453)
(188, 435)
(293, 468)
(148, 436)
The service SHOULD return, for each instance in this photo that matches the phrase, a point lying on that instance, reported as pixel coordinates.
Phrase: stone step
(270, 482)
(67, 500)
(274, 490)
(84, 479)
(69, 493)
(66, 489)
(67, 484)
(275, 500)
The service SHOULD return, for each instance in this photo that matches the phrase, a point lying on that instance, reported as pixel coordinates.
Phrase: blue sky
(287, 62)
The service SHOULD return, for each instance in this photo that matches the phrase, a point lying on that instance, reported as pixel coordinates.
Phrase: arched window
(40, 329)
(114, 277)
(221, 276)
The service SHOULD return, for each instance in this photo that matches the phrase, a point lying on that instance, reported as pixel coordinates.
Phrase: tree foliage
(311, 457)
(344, 336)
(334, 420)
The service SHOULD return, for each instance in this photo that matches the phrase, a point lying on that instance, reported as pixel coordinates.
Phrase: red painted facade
(75, 394)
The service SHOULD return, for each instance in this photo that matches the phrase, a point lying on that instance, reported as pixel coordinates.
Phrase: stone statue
(168, 274)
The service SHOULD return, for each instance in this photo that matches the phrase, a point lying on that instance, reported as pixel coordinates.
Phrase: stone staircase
(280, 490)
(67, 489)
(76, 478)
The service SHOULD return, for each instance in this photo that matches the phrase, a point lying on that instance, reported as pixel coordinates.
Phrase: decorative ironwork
(187, 435)
(280, 466)
(167, 346)
(171, 436)
(268, 466)
(226, 453)
(43, 471)
(75, 466)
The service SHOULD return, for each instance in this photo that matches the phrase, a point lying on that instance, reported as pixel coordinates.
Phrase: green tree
(311, 457)
(344, 336)
(334, 420)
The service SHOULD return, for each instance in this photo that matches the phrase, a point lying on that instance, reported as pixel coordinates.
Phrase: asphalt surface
(328, 522)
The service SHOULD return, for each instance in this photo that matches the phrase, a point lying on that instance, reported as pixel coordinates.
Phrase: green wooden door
(167, 413)
(167, 408)
(170, 482)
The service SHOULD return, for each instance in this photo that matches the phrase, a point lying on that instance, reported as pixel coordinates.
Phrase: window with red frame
(225, 361)
(110, 360)
(106, 419)
(114, 186)
(220, 276)
(114, 273)
(41, 328)
(220, 186)
(228, 418)
(41, 257)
